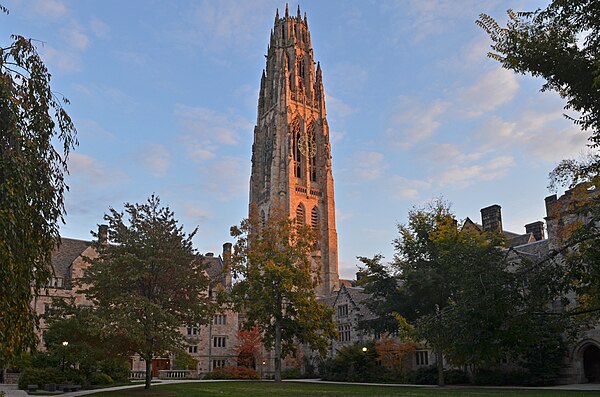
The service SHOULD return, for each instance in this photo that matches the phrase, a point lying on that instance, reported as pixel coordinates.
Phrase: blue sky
(164, 96)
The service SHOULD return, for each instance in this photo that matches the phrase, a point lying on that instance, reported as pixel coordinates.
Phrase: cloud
(207, 130)
(492, 90)
(99, 29)
(223, 26)
(405, 188)
(447, 152)
(368, 166)
(53, 9)
(87, 170)
(66, 61)
(73, 34)
(227, 177)
(413, 122)
(463, 176)
(543, 135)
(338, 107)
(156, 158)
(195, 211)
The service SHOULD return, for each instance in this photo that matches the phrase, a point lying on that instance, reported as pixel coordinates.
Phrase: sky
(164, 97)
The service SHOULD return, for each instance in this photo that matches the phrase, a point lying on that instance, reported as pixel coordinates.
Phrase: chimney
(550, 200)
(491, 218)
(103, 234)
(537, 228)
(209, 254)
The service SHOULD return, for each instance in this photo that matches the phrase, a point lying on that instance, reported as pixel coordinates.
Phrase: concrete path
(12, 391)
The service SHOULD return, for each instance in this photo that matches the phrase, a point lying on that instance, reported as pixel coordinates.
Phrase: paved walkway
(12, 391)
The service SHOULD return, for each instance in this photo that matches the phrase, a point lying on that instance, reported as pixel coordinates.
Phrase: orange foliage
(249, 347)
(394, 355)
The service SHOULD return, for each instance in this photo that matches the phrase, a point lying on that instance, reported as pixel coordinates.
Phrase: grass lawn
(290, 389)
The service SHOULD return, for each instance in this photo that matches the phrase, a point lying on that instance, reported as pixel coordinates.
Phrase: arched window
(313, 156)
(296, 134)
(314, 218)
(300, 217)
(263, 219)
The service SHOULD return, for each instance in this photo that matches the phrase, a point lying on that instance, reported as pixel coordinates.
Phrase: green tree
(148, 280)
(277, 280)
(32, 121)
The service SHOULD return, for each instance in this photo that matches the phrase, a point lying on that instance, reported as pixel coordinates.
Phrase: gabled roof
(62, 257)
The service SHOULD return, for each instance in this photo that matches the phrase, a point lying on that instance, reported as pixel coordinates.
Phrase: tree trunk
(148, 372)
(277, 351)
(440, 367)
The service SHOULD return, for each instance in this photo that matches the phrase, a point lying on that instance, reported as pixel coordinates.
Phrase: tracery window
(296, 149)
(313, 158)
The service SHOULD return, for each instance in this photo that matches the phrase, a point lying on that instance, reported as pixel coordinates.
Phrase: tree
(32, 121)
(147, 280)
(277, 281)
(249, 347)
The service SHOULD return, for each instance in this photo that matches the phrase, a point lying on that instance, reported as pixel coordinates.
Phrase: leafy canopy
(32, 121)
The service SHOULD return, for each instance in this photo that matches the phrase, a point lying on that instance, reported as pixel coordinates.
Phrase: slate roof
(69, 250)
(521, 240)
(537, 249)
(215, 268)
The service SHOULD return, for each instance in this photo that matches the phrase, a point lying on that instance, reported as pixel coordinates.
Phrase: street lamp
(65, 344)
(364, 349)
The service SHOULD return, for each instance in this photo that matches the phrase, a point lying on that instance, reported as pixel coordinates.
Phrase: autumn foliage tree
(249, 347)
(147, 280)
(277, 278)
(36, 137)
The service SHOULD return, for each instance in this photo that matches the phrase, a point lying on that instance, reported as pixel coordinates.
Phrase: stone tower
(291, 154)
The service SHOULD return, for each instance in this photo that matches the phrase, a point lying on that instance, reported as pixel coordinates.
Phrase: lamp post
(65, 344)
(364, 349)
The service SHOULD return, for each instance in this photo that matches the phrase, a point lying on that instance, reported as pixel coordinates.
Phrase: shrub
(99, 378)
(500, 377)
(117, 369)
(426, 376)
(230, 372)
(292, 373)
(455, 377)
(40, 377)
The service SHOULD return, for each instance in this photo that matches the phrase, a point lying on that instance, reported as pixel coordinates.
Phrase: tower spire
(291, 154)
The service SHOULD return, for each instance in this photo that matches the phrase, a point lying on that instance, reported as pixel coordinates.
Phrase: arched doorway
(591, 363)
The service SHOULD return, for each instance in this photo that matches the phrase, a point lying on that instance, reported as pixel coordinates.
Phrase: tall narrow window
(312, 152)
(263, 219)
(296, 149)
(314, 218)
(300, 217)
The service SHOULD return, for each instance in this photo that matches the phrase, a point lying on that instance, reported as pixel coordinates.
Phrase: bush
(99, 378)
(426, 376)
(230, 372)
(455, 377)
(500, 377)
(117, 369)
(292, 373)
(40, 377)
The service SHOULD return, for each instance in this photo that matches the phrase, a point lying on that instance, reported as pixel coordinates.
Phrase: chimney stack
(227, 264)
(537, 228)
(491, 218)
(103, 234)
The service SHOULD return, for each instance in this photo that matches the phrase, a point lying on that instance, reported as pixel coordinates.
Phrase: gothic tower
(291, 155)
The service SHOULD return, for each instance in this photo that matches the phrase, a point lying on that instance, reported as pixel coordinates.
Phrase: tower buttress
(291, 154)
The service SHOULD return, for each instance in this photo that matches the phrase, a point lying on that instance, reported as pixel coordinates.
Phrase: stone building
(213, 345)
(291, 154)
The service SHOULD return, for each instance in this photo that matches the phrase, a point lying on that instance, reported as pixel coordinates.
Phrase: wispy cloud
(100, 29)
(74, 36)
(52, 9)
(207, 130)
(227, 177)
(92, 171)
(495, 88)
(462, 176)
(413, 122)
(405, 188)
(155, 158)
(66, 61)
(369, 166)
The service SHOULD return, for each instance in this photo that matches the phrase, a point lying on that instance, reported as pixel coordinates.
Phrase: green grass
(289, 389)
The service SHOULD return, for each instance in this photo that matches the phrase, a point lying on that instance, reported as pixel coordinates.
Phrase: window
(344, 331)
(219, 341)
(46, 308)
(314, 218)
(220, 319)
(263, 219)
(296, 148)
(342, 310)
(313, 159)
(422, 357)
(192, 330)
(300, 219)
(219, 363)
(192, 349)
